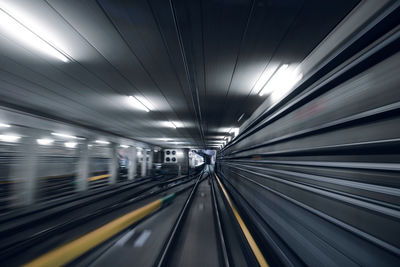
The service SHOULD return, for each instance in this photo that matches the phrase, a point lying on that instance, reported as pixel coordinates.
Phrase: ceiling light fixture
(282, 81)
(102, 142)
(241, 117)
(234, 130)
(228, 138)
(70, 144)
(24, 34)
(64, 135)
(145, 102)
(273, 81)
(45, 141)
(264, 78)
(3, 125)
(135, 102)
(124, 146)
(9, 138)
(171, 124)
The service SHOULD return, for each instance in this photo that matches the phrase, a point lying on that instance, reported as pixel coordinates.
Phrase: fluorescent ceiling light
(45, 141)
(241, 117)
(26, 35)
(136, 103)
(145, 102)
(9, 138)
(124, 146)
(70, 144)
(235, 131)
(170, 124)
(3, 125)
(64, 135)
(177, 124)
(173, 124)
(282, 81)
(264, 78)
(102, 142)
(274, 81)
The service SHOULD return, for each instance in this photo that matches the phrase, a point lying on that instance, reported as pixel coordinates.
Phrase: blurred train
(56, 168)
(322, 165)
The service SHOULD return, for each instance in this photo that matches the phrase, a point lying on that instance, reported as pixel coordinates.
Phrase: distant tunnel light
(64, 135)
(24, 34)
(282, 81)
(4, 125)
(45, 141)
(70, 144)
(102, 142)
(136, 103)
(9, 138)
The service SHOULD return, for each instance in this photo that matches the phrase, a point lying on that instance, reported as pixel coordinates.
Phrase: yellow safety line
(253, 245)
(57, 176)
(8, 182)
(72, 250)
(98, 177)
(173, 179)
(93, 178)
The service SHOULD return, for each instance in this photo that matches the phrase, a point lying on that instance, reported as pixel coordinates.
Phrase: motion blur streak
(200, 133)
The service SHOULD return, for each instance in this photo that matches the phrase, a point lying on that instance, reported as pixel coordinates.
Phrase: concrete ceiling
(197, 62)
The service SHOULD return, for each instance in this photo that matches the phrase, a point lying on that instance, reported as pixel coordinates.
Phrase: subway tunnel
(199, 133)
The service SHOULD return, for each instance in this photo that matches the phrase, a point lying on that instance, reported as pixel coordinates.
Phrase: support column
(83, 167)
(24, 172)
(113, 167)
(132, 163)
(144, 163)
(150, 161)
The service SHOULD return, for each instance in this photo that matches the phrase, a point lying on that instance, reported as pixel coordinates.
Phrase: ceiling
(196, 62)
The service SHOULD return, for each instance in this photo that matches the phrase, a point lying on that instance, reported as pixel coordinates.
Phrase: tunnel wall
(317, 175)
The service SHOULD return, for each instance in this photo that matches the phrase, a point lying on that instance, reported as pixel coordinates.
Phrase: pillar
(24, 172)
(113, 167)
(83, 167)
(150, 161)
(144, 163)
(132, 163)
